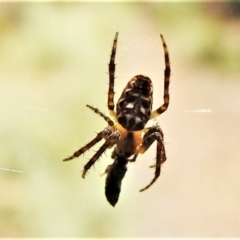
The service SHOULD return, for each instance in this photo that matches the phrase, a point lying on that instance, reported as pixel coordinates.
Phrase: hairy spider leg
(167, 73)
(106, 118)
(161, 158)
(98, 138)
(147, 141)
(112, 139)
(111, 71)
(154, 133)
(82, 150)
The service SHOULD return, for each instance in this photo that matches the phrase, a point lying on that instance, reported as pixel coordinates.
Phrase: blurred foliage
(208, 32)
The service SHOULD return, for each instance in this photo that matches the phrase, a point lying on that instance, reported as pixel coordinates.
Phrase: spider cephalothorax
(127, 131)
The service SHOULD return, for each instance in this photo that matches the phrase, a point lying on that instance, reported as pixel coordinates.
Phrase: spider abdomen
(135, 104)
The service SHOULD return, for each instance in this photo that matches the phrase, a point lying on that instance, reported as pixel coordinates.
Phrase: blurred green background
(53, 61)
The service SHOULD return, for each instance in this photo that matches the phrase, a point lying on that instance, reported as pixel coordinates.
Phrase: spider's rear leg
(153, 133)
(82, 150)
(167, 73)
(111, 140)
(147, 141)
(104, 134)
(161, 158)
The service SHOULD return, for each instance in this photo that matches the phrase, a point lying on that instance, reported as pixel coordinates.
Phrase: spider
(126, 130)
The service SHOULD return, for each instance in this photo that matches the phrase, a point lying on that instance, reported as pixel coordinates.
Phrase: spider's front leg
(154, 133)
(111, 72)
(167, 73)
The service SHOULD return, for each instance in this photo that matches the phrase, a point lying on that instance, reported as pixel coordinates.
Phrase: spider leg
(147, 141)
(167, 73)
(107, 119)
(103, 134)
(111, 71)
(161, 158)
(112, 139)
(153, 133)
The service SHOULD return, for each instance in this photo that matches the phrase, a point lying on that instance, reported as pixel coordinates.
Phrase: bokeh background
(53, 61)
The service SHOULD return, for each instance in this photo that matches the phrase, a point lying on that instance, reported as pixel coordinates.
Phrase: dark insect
(126, 130)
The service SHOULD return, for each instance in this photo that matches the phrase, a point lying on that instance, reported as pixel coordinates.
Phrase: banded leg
(110, 141)
(111, 72)
(167, 73)
(107, 119)
(161, 158)
(148, 139)
(153, 134)
(103, 134)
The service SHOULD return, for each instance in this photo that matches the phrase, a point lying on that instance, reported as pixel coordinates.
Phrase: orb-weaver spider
(126, 130)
